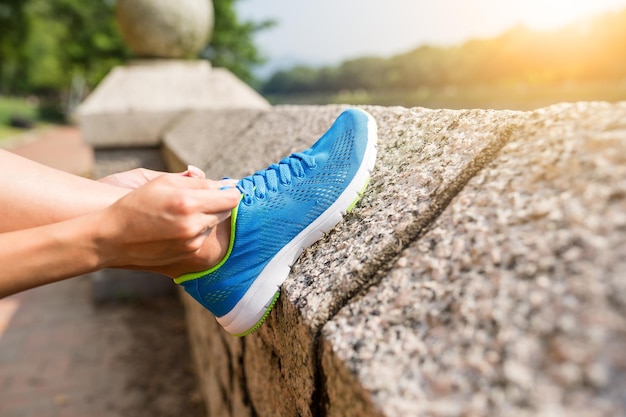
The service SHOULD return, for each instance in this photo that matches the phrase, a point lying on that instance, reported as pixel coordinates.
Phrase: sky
(327, 32)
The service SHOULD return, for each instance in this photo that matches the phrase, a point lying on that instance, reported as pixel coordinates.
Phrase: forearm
(46, 195)
(45, 254)
(172, 224)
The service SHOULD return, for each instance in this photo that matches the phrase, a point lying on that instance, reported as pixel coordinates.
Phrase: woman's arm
(167, 225)
(55, 225)
(40, 255)
(32, 194)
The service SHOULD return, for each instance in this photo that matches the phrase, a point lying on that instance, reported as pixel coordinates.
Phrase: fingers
(194, 172)
(190, 195)
(132, 179)
(212, 208)
(213, 219)
(218, 201)
(148, 174)
(196, 204)
(168, 218)
(200, 225)
(227, 183)
(196, 242)
(194, 178)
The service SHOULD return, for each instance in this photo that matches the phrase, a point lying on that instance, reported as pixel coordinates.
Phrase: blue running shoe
(285, 209)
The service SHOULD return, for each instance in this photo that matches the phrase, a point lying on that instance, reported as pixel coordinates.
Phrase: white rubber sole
(250, 312)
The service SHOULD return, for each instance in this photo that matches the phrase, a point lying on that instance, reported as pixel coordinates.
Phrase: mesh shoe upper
(277, 204)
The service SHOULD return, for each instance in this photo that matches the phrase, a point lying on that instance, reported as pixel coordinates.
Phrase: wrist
(82, 236)
(100, 239)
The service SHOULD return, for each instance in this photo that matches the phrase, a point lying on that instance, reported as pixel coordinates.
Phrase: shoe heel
(268, 309)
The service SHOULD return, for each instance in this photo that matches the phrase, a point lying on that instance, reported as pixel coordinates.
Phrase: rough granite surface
(483, 272)
(513, 303)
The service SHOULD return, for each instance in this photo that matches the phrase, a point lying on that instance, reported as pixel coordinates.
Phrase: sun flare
(553, 14)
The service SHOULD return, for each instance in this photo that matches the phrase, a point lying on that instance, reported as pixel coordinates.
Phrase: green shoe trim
(359, 195)
(194, 275)
(260, 322)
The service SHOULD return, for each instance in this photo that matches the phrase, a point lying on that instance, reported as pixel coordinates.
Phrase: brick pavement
(56, 354)
(59, 147)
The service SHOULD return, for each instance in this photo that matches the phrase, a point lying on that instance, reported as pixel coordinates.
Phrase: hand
(165, 222)
(135, 178)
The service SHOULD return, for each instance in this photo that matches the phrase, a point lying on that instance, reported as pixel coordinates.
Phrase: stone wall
(483, 272)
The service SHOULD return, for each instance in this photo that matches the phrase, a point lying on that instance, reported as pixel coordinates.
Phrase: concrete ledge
(135, 104)
(481, 274)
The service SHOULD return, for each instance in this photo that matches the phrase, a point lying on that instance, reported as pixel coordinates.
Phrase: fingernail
(227, 183)
(194, 171)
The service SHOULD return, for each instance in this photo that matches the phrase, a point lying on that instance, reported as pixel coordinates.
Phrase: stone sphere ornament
(165, 28)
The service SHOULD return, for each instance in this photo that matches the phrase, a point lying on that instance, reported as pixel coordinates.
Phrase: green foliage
(300, 79)
(10, 107)
(46, 44)
(577, 53)
(54, 41)
(13, 28)
(232, 45)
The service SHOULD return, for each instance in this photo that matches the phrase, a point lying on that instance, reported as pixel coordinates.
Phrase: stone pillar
(136, 102)
(125, 117)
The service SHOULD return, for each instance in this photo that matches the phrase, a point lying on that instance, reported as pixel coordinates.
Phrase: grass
(514, 97)
(41, 115)
(12, 106)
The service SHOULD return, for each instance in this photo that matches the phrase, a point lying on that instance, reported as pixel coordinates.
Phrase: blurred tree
(13, 28)
(232, 44)
(300, 79)
(68, 39)
(367, 73)
(46, 44)
(595, 50)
